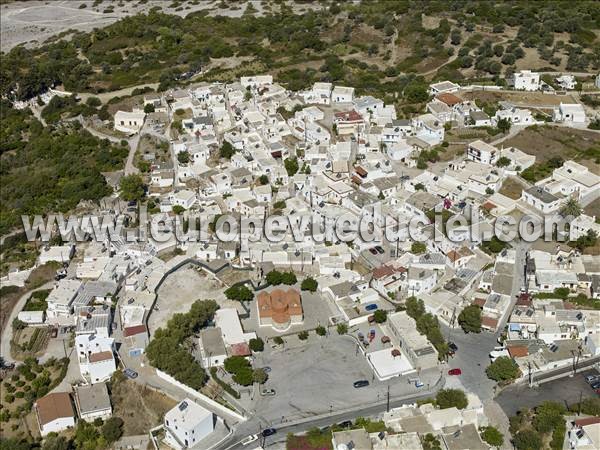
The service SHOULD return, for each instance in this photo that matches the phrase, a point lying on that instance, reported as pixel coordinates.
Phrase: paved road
(7, 331)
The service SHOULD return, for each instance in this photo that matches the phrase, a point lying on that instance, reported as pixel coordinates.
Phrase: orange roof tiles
(449, 99)
(54, 406)
(518, 351)
(279, 305)
(100, 356)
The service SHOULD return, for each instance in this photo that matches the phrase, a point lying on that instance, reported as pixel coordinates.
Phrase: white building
(60, 299)
(129, 122)
(569, 112)
(342, 94)
(526, 80)
(482, 152)
(566, 82)
(187, 424)
(541, 199)
(96, 358)
(443, 87)
(55, 413)
(93, 402)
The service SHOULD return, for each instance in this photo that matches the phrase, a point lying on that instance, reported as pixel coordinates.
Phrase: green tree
(278, 340)
(448, 398)
(256, 344)
(571, 208)
(112, 429)
(244, 376)
(309, 284)
(183, 157)
(504, 125)
(527, 440)
(503, 369)
(548, 416)
(291, 166)
(492, 436)
(149, 108)
(54, 442)
(263, 180)
(226, 151)
(93, 102)
(234, 364)
(470, 319)
(178, 209)
(321, 330)
(239, 292)
(415, 308)
(274, 278)
(259, 376)
(303, 335)
(430, 442)
(380, 316)
(288, 278)
(342, 328)
(131, 187)
(418, 247)
(503, 161)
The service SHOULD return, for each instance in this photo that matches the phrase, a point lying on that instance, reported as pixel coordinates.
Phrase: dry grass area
(30, 341)
(512, 188)
(140, 407)
(593, 209)
(525, 99)
(546, 142)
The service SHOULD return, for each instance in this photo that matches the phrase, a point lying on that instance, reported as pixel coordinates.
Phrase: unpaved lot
(525, 99)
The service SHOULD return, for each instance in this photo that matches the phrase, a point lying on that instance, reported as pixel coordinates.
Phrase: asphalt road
(565, 390)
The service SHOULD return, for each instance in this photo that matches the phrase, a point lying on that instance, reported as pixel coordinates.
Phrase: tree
(131, 187)
(571, 208)
(288, 278)
(492, 436)
(183, 157)
(321, 330)
(418, 247)
(112, 429)
(178, 209)
(226, 151)
(470, 319)
(18, 324)
(415, 308)
(93, 102)
(303, 335)
(278, 340)
(149, 108)
(52, 442)
(416, 92)
(380, 316)
(256, 344)
(504, 125)
(503, 369)
(263, 180)
(274, 278)
(548, 416)
(241, 293)
(342, 328)
(244, 376)
(430, 442)
(527, 440)
(309, 284)
(587, 240)
(448, 398)
(280, 204)
(234, 364)
(503, 161)
(291, 166)
(259, 376)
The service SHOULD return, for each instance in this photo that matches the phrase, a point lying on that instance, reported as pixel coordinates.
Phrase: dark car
(595, 385)
(371, 307)
(269, 432)
(373, 251)
(360, 383)
(452, 346)
(345, 424)
(129, 373)
(380, 249)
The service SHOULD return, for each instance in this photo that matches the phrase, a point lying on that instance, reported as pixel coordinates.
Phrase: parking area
(317, 376)
(567, 390)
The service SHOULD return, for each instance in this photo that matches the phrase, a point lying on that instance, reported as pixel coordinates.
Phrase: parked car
(592, 378)
(373, 251)
(455, 372)
(380, 249)
(595, 385)
(129, 373)
(268, 432)
(345, 424)
(249, 439)
(361, 383)
(54, 332)
(452, 346)
(267, 392)
(371, 307)
(419, 384)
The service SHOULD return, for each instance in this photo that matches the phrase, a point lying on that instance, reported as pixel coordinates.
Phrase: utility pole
(388, 398)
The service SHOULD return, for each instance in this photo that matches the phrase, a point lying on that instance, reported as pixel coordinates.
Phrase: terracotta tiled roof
(362, 172)
(241, 349)
(54, 406)
(449, 99)
(587, 421)
(489, 322)
(100, 356)
(518, 351)
(488, 206)
(348, 116)
(279, 305)
(479, 302)
(131, 331)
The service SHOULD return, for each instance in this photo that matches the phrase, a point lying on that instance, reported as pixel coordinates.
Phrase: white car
(249, 439)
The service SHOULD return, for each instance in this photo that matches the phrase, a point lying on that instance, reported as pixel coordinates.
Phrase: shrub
(503, 369)
(303, 335)
(448, 398)
(342, 328)
(278, 340)
(309, 284)
(257, 345)
(321, 330)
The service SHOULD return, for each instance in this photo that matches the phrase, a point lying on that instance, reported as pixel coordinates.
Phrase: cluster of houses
(352, 153)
